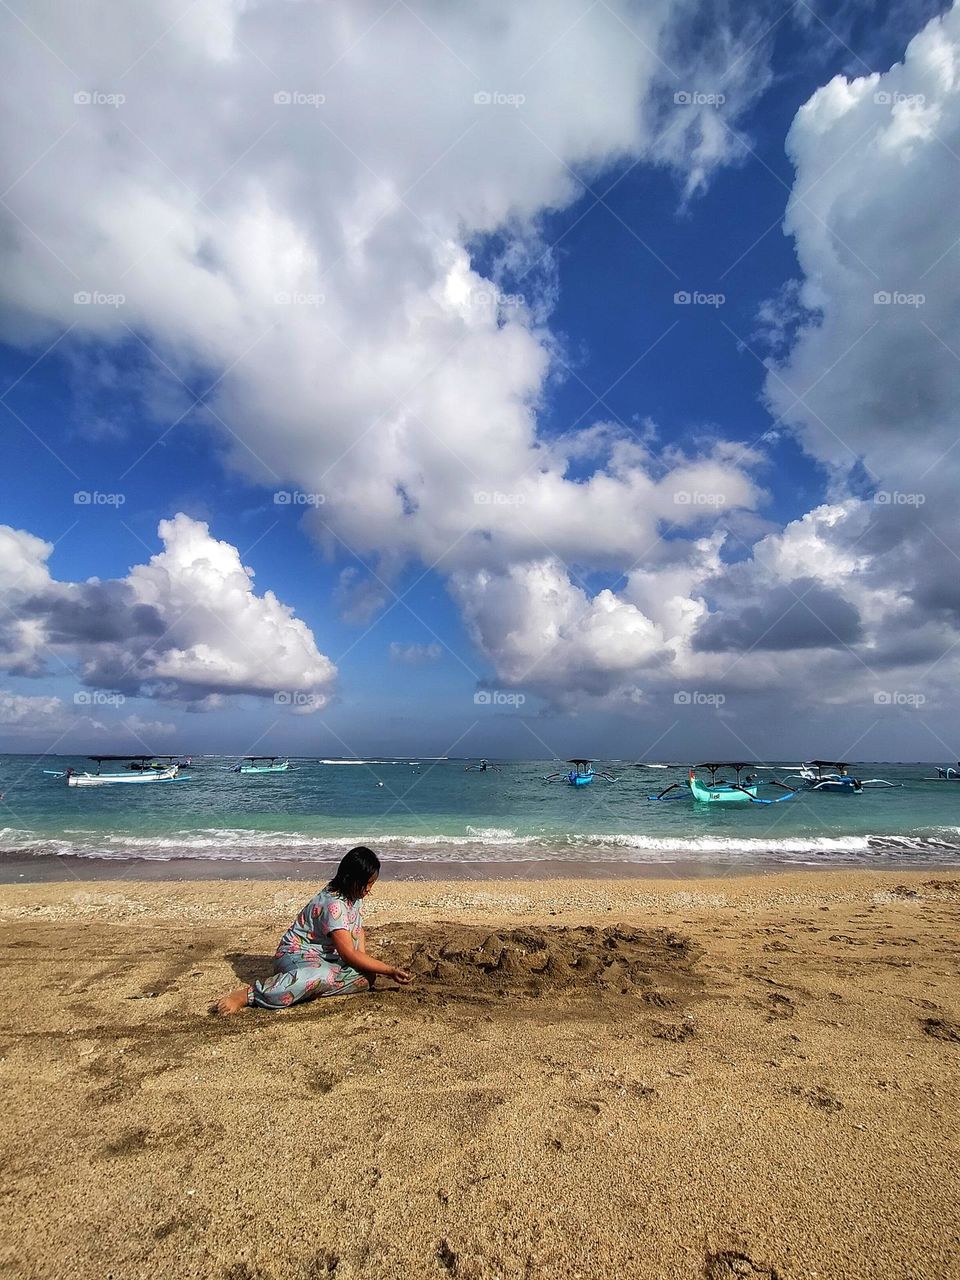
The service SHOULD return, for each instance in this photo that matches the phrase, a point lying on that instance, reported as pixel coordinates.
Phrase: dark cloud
(93, 613)
(803, 615)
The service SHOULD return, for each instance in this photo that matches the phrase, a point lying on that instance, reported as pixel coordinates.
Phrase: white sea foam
(481, 844)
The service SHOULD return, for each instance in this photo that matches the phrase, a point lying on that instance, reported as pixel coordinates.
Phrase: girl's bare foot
(233, 1002)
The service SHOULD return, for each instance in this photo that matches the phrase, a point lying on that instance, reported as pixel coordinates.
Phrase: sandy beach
(737, 1077)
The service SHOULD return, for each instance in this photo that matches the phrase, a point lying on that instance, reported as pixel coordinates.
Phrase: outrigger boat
(832, 777)
(949, 774)
(581, 774)
(139, 770)
(482, 766)
(271, 764)
(715, 790)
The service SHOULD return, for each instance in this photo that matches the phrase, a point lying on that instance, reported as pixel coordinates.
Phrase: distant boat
(581, 774)
(140, 769)
(270, 764)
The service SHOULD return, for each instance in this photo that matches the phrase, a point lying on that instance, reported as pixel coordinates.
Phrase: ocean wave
(485, 844)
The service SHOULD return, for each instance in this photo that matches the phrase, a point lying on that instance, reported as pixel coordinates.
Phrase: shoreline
(51, 869)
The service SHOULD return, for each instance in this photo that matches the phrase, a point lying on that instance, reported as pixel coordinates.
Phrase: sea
(428, 817)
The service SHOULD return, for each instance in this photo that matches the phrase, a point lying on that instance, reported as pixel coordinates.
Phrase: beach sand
(741, 1077)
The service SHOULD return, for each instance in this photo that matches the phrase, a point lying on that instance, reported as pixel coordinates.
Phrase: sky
(412, 378)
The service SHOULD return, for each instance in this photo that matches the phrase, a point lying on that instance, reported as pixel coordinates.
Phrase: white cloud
(316, 259)
(186, 627)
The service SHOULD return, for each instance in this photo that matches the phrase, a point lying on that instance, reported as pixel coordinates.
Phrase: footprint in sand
(941, 1029)
(731, 1265)
(820, 1097)
(780, 1006)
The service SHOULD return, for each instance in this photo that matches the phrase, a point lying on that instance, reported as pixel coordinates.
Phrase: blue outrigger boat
(581, 774)
(832, 778)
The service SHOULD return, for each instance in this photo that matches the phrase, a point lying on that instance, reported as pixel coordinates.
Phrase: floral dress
(307, 963)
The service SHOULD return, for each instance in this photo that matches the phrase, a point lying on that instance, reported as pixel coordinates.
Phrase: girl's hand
(401, 976)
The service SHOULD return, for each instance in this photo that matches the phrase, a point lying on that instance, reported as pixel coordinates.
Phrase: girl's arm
(361, 944)
(359, 960)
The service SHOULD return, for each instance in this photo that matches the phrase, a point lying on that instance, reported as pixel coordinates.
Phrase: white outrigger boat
(140, 770)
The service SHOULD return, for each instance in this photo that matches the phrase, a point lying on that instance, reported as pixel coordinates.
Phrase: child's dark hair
(356, 870)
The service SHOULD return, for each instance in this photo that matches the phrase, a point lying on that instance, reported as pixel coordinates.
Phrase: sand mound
(460, 961)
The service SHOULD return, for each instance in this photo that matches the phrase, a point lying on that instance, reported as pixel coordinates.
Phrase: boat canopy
(828, 764)
(105, 759)
(725, 764)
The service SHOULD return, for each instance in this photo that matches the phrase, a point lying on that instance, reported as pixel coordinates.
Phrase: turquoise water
(435, 812)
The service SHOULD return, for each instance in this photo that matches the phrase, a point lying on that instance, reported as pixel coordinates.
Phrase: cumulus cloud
(187, 627)
(310, 250)
(310, 247)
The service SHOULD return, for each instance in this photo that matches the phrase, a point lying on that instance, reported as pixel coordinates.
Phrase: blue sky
(94, 414)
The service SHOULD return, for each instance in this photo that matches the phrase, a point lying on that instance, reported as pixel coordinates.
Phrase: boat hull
(838, 787)
(722, 794)
(126, 779)
(265, 768)
(579, 779)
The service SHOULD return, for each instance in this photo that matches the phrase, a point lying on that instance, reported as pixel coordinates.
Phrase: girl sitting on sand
(323, 953)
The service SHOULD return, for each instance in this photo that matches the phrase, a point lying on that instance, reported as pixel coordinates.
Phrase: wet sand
(733, 1077)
